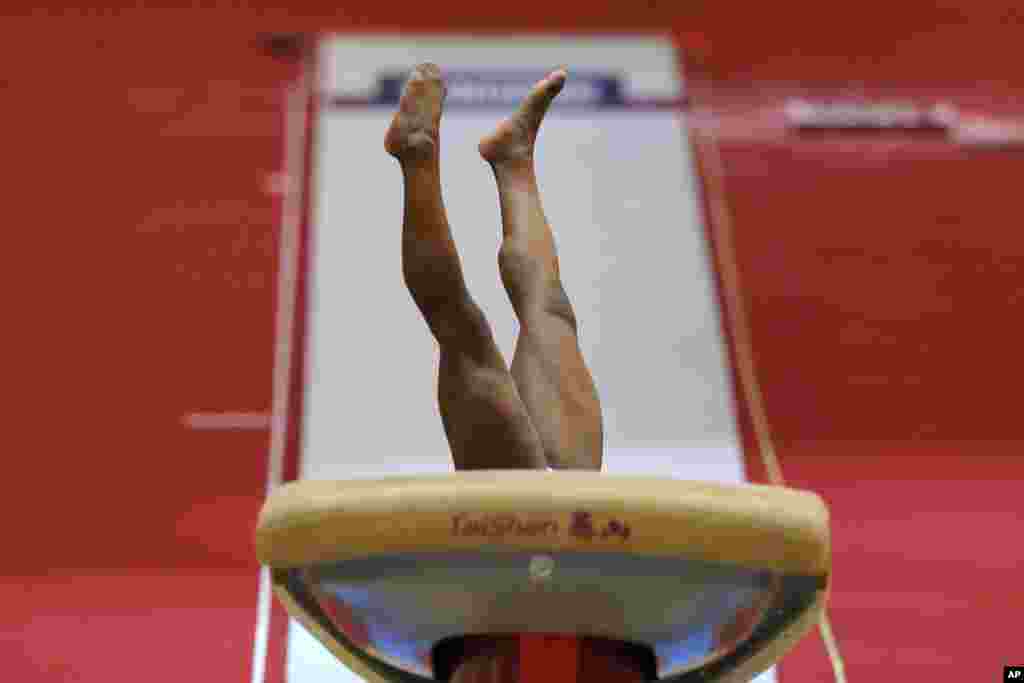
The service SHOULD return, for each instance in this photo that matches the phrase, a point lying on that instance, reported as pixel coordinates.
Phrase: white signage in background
(989, 133)
(851, 114)
(505, 88)
(961, 129)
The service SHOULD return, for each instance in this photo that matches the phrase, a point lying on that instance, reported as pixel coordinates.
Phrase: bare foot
(514, 137)
(415, 130)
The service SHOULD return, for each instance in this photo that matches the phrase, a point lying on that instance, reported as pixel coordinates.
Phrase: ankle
(416, 147)
(417, 167)
(518, 172)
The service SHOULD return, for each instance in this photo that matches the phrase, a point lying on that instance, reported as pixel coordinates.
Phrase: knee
(519, 270)
(534, 287)
(462, 327)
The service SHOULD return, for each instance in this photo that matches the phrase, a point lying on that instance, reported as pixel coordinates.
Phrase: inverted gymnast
(545, 412)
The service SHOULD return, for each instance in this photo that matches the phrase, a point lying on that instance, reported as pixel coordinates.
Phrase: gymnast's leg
(553, 379)
(484, 418)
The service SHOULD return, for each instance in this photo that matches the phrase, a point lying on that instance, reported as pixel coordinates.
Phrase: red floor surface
(884, 282)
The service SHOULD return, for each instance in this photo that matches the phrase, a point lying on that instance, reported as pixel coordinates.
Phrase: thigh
(559, 392)
(484, 418)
